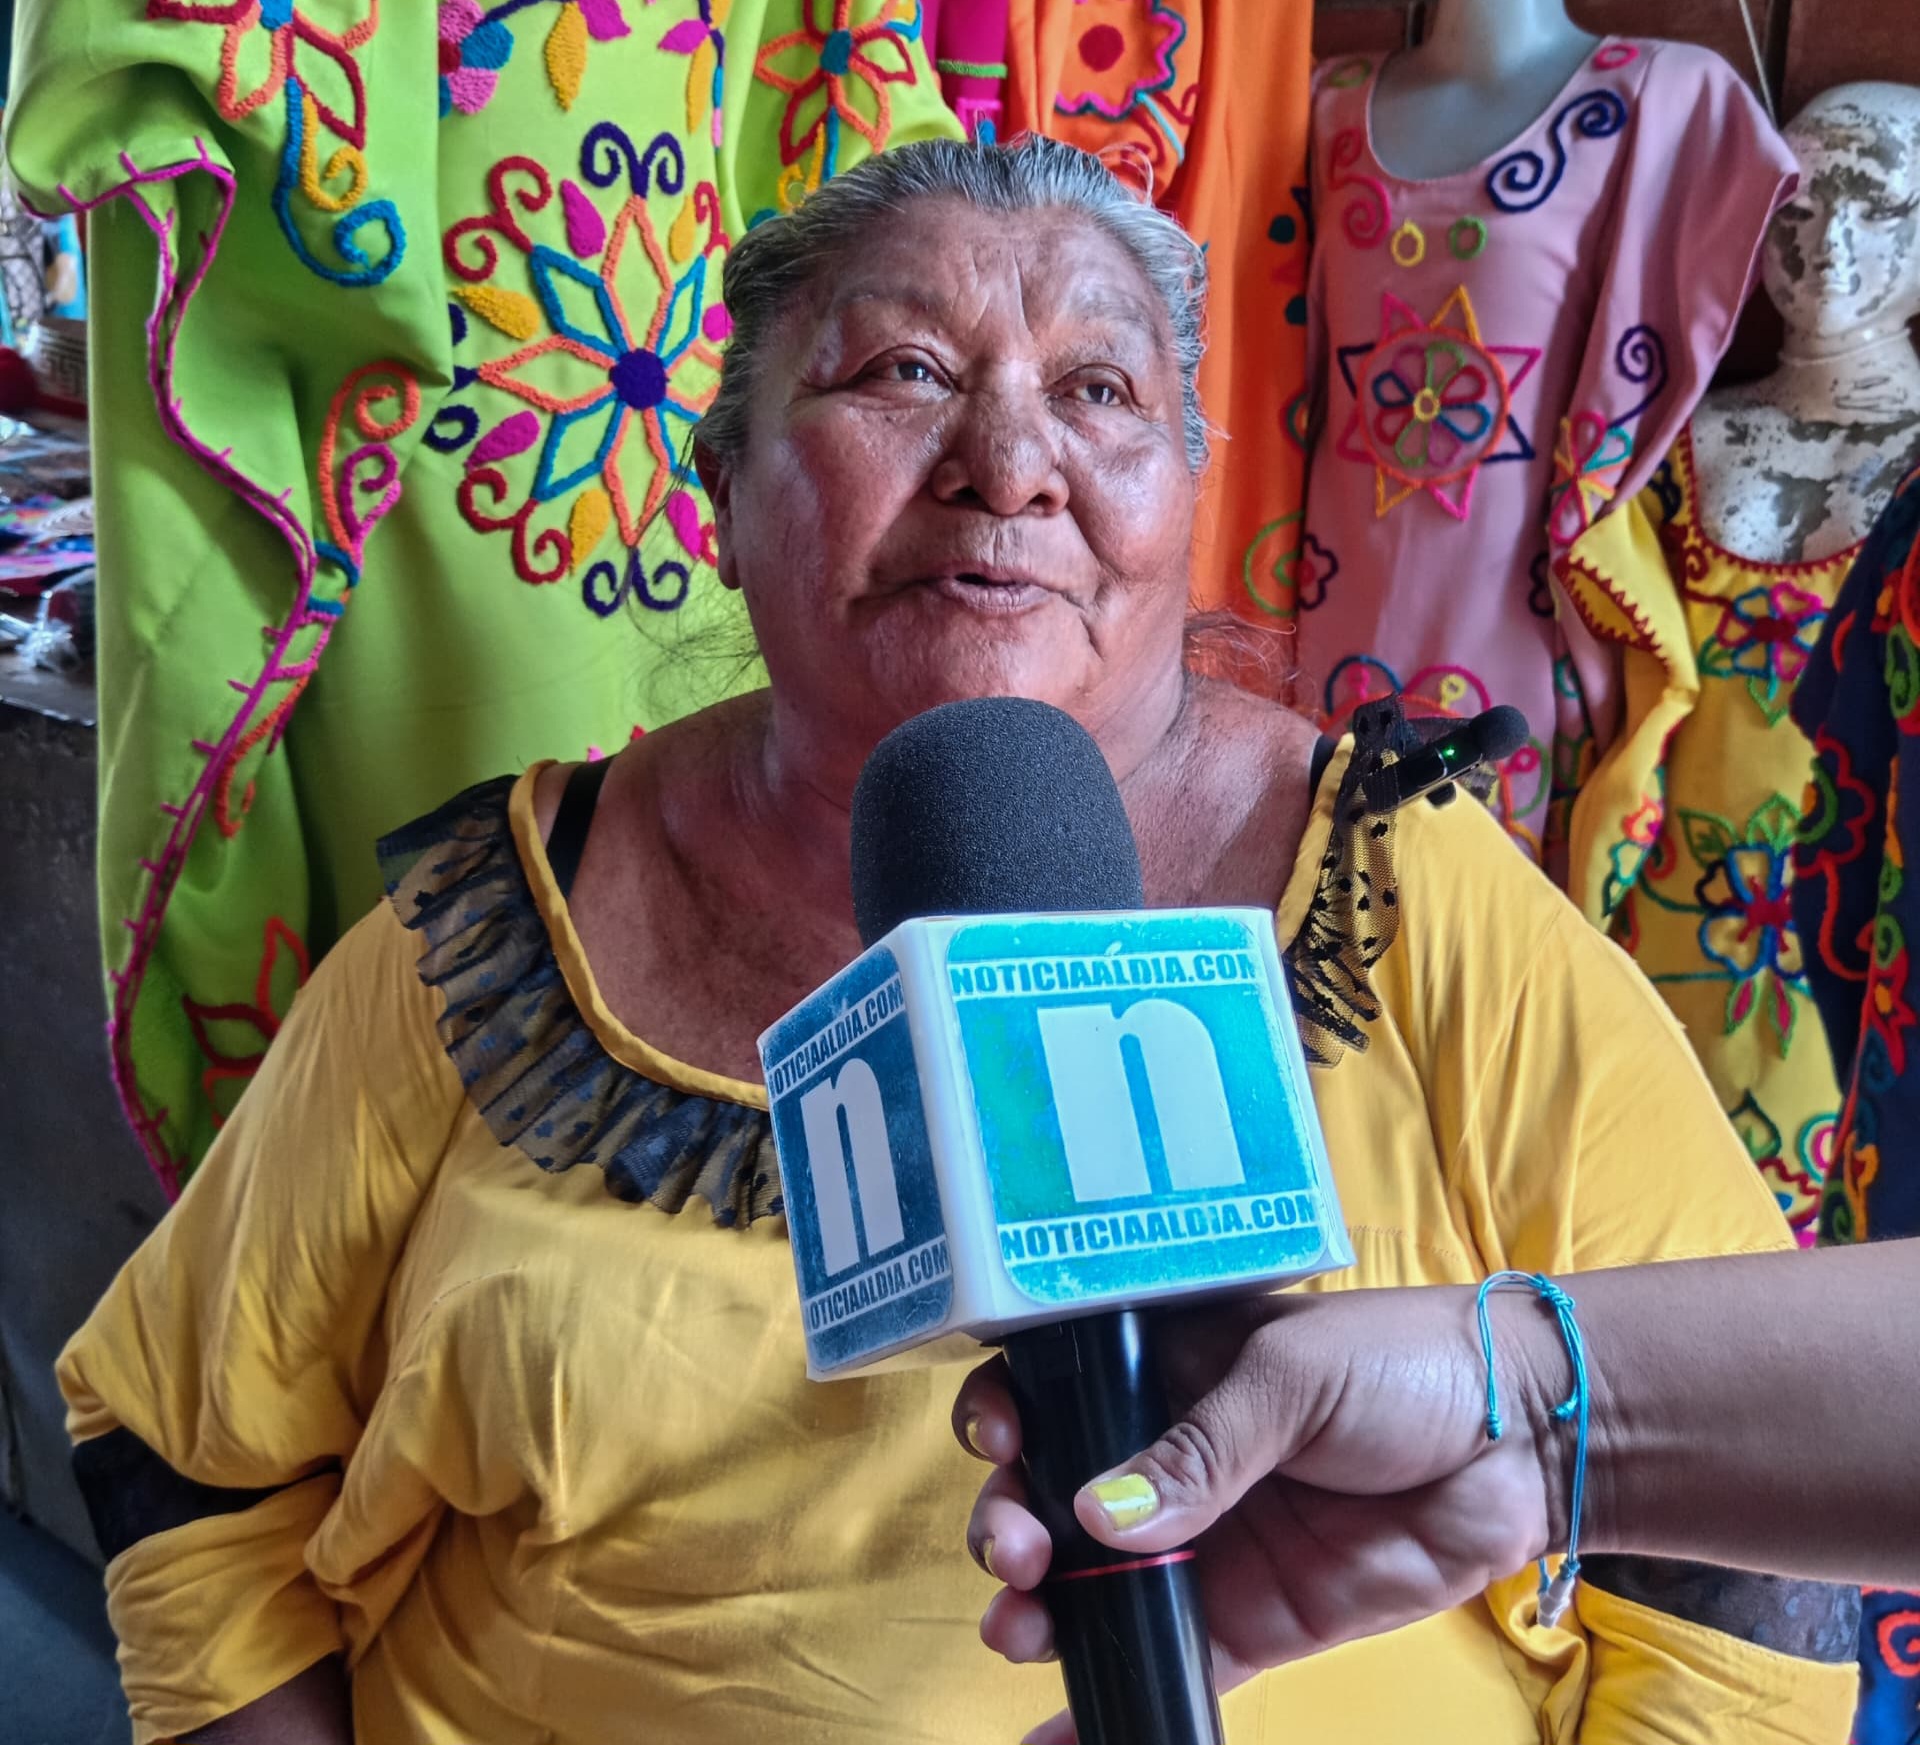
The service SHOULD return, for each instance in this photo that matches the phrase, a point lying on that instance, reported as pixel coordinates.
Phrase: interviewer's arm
(1760, 1411)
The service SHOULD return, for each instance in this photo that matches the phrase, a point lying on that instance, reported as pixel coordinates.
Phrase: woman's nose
(1003, 455)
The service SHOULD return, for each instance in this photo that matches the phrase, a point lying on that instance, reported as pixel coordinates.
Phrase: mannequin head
(1841, 260)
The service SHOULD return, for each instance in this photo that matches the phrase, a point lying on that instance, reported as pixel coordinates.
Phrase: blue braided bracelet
(1557, 1591)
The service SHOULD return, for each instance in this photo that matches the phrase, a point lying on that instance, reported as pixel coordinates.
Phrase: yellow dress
(545, 1465)
(1698, 884)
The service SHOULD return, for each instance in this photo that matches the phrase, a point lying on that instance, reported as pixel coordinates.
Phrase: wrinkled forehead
(955, 265)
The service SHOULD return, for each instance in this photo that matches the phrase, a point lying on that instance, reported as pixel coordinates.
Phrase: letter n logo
(1094, 1103)
(855, 1094)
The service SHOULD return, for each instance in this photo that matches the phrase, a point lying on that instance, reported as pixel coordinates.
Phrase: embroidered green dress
(402, 317)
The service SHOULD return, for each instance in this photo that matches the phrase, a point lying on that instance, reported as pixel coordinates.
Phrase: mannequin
(1798, 467)
(1532, 245)
(1484, 73)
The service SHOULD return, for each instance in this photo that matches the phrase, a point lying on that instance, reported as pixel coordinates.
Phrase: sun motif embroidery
(1432, 404)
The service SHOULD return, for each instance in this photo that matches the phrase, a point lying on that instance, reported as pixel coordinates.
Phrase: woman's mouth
(997, 595)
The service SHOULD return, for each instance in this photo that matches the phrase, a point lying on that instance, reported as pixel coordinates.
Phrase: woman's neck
(790, 799)
(1865, 377)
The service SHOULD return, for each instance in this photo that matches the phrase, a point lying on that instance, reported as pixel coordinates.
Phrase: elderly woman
(463, 1391)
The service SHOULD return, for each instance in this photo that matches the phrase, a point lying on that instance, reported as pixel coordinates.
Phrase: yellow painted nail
(986, 1557)
(1126, 1499)
(971, 1430)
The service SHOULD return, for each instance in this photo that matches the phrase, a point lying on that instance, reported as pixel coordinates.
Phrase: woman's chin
(1049, 670)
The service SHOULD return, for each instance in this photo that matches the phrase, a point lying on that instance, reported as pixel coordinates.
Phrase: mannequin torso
(1489, 69)
(1797, 467)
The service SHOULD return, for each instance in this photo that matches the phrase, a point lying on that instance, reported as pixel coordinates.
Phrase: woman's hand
(1331, 1460)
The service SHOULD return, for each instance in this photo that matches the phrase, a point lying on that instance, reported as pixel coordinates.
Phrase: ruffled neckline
(556, 1075)
(541, 1072)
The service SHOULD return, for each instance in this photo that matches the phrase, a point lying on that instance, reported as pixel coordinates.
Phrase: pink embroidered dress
(1496, 359)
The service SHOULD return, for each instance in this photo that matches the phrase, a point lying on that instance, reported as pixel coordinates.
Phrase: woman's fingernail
(1126, 1499)
(971, 1430)
(986, 1558)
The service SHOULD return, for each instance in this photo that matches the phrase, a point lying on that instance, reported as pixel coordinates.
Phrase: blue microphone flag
(984, 1123)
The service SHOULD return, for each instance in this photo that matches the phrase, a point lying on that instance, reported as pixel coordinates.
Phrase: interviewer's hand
(1331, 1459)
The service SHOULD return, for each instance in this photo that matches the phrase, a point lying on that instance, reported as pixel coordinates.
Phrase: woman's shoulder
(516, 1010)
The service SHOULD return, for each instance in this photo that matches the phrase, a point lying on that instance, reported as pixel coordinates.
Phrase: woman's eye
(909, 369)
(1098, 392)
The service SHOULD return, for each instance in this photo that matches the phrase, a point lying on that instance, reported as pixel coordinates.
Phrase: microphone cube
(989, 1123)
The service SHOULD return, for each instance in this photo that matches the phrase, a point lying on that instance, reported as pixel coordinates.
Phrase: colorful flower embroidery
(826, 63)
(703, 42)
(473, 49)
(617, 361)
(1747, 911)
(476, 42)
(1795, 1182)
(270, 49)
(1766, 636)
(1432, 404)
(295, 47)
(1639, 835)
(1586, 472)
(1285, 570)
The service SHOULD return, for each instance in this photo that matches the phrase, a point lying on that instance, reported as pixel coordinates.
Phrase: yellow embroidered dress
(473, 1351)
(1700, 891)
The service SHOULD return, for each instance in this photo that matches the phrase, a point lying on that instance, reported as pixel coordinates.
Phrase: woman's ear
(716, 478)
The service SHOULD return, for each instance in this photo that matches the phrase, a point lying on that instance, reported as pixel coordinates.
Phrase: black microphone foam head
(992, 806)
(1499, 733)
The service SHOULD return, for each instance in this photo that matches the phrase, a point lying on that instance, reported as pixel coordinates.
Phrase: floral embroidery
(222, 1031)
(476, 42)
(1639, 835)
(829, 61)
(618, 361)
(1766, 636)
(703, 42)
(1746, 925)
(295, 48)
(1587, 465)
(1432, 404)
(1286, 570)
(473, 49)
(1795, 1181)
(315, 74)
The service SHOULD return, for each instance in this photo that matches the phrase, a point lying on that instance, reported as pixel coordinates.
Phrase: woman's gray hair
(782, 257)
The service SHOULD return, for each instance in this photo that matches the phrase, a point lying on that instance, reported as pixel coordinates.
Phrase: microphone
(1029, 1110)
(1486, 739)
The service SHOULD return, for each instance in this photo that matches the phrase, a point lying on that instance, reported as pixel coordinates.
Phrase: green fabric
(404, 318)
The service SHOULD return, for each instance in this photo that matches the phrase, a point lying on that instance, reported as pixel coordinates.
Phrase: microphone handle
(1130, 1631)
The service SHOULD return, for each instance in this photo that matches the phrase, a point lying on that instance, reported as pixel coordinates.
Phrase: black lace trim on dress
(1354, 916)
(544, 1085)
(531, 1063)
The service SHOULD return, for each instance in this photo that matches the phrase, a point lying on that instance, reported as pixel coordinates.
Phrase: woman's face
(966, 476)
